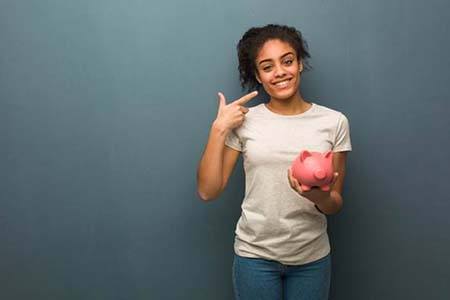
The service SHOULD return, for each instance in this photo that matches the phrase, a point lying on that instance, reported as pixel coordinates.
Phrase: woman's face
(278, 69)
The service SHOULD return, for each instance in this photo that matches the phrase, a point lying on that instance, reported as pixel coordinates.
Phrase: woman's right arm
(218, 160)
(216, 165)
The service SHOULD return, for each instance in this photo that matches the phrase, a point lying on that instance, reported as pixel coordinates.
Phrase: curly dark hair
(253, 40)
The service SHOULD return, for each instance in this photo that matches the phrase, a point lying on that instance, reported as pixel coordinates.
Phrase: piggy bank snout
(320, 174)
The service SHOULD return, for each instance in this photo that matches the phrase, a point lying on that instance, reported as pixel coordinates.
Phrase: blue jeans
(261, 279)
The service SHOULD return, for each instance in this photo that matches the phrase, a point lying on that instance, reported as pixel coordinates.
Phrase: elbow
(205, 196)
(338, 203)
(207, 191)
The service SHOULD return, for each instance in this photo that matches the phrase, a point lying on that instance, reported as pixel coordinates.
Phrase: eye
(267, 68)
(288, 62)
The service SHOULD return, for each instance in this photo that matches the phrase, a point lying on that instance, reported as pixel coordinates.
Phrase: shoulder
(255, 112)
(330, 112)
(327, 110)
(256, 109)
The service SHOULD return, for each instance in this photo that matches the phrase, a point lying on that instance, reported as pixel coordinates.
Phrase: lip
(284, 86)
(286, 79)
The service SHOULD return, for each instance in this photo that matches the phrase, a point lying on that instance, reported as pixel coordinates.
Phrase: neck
(291, 106)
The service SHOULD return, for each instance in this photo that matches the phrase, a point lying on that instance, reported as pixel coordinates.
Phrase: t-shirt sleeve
(342, 140)
(232, 140)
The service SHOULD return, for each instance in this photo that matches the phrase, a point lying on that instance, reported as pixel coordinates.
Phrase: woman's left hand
(315, 194)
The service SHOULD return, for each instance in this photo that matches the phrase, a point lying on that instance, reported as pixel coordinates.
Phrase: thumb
(335, 176)
(222, 100)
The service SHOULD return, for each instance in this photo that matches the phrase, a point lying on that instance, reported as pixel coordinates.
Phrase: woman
(281, 247)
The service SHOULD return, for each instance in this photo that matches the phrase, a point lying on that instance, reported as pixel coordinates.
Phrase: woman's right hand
(232, 115)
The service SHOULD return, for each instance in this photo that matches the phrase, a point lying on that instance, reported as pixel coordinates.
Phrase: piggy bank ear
(304, 154)
(329, 154)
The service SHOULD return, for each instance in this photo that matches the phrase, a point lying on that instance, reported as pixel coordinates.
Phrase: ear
(304, 154)
(300, 66)
(257, 77)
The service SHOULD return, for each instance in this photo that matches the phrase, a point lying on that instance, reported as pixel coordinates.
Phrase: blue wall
(105, 108)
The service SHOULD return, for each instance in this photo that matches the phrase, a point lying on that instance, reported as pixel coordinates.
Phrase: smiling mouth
(282, 84)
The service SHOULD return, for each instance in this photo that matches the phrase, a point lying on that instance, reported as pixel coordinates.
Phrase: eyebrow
(281, 57)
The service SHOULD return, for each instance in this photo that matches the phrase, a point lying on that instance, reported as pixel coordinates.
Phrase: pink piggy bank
(313, 169)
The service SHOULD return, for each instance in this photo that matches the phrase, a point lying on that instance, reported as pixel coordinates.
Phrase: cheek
(265, 78)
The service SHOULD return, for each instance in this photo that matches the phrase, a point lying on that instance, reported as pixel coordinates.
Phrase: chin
(282, 95)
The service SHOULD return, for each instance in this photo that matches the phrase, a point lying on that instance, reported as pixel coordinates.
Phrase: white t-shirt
(276, 222)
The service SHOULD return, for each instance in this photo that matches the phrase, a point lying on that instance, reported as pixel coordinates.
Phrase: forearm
(210, 170)
(332, 204)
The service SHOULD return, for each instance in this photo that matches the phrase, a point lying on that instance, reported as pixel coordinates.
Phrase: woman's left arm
(334, 203)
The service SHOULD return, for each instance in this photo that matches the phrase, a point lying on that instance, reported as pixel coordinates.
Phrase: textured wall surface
(105, 108)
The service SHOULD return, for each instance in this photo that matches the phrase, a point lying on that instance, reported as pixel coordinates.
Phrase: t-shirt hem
(295, 260)
(234, 147)
(299, 263)
(342, 149)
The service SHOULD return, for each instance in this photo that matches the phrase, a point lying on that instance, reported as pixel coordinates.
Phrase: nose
(279, 71)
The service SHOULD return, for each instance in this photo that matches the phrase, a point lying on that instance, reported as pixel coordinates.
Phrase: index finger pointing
(246, 98)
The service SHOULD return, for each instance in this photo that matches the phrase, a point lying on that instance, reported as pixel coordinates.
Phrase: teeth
(282, 83)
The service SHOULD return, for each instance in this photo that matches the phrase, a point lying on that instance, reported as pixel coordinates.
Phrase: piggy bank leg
(325, 188)
(305, 188)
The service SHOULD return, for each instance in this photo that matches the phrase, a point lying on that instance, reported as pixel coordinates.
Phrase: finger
(222, 100)
(246, 98)
(290, 175)
(243, 109)
(294, 181)
(293, 178)
(289, 179)
(297, 186)
(335, 177)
